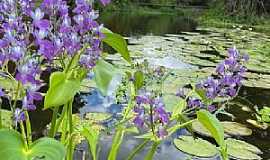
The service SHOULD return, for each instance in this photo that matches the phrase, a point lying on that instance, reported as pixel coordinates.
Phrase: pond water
(177, 43)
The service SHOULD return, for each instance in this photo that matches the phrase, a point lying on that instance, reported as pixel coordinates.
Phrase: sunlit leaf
(197, 147)
(44, 148)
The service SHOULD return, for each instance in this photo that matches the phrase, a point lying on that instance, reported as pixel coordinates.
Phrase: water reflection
(134, 24)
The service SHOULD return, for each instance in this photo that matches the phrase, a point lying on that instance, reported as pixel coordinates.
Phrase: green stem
(70, 146)
(24, 136)
(64, 128)
(28, 128)
(59, 121)
(1, 113)
(130, 102)
(137, 149)
(54, 117)
(151, 153)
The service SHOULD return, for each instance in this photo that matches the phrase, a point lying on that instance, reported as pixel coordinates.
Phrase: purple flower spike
(162, 132)
(18, 115)
(139, 120)
(161, 115)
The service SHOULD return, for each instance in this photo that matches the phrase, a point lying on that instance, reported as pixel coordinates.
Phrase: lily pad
(97, 117)
(242, 150)
(197, 147)
(257, 124)
(236, 129)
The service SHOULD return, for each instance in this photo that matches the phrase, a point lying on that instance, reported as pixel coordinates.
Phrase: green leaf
(196, 147)
(139, 79)
(104, 73)
(61, 90)
(92, 136)
(118, 43)
(117, 140)
(44, 148)
(8, 83)
(178, 108)
(211, 123)
(6, 117)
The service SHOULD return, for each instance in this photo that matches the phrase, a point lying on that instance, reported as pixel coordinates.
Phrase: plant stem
(151, 153)
(23, 135)
(137, 149)
(70, 147)
(28, 128)
(54, 117)
(1, 113)
(64, 110)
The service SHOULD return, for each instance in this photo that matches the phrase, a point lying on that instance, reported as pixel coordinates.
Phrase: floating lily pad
(197, 147)
(242, 150)
(236, 129)
(258, 124)
(97, 117)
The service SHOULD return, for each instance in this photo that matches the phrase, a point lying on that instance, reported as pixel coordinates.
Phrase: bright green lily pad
(197, 147)
(242, 150)
(236, 129)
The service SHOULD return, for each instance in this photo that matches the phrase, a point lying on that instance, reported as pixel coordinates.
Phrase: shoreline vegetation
(207, 16)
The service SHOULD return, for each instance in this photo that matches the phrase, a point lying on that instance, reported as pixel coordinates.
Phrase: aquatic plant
(66, 41)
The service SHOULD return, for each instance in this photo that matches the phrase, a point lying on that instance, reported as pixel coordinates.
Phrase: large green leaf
(104, 72)
(118, 43)
(6, 117)
(211, 123)
(61, 90)
(197, 147)
(13, 148)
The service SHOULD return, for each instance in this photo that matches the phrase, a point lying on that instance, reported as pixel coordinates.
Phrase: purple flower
(162, 132)
(194, 102)
(105, 2)
(139, 120)
(211, 108)
(161, 115)
(18, 115)
(47, 49)
(1, 92)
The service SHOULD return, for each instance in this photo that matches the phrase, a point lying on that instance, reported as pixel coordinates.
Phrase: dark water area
(136, 24)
